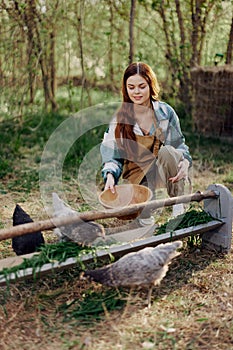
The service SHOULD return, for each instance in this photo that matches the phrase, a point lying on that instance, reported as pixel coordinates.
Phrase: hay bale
(213, 100)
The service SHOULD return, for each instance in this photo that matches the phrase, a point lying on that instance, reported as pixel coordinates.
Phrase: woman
(144, 142)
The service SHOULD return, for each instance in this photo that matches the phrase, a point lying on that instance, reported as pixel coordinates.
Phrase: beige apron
(153, 165)
(147, 152)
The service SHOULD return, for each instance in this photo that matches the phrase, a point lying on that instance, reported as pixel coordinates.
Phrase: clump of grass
(50, 253)
(229, 177)
(94, 305)
(192, 217)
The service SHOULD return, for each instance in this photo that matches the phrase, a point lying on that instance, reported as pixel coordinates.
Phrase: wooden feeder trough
(216, 234)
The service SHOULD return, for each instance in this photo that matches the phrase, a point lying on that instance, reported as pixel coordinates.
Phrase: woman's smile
(138, 90)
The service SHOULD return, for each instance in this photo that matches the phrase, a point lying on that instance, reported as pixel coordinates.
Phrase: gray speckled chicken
(83, 233)
(145, 268)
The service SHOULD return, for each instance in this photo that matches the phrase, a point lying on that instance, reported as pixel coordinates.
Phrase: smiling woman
(144, 142)
(138, 90)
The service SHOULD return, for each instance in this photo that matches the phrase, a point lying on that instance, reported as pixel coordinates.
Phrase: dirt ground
(192, 309)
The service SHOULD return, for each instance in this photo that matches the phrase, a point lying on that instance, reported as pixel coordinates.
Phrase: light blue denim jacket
(165, 118)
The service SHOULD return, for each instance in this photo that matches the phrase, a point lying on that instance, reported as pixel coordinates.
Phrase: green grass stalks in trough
(50, 253)
(192, 217)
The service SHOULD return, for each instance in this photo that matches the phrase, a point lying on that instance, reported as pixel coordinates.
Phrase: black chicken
(28, 243)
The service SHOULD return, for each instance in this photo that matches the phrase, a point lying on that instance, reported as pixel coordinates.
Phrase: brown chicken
(145, 268)
(83, 233)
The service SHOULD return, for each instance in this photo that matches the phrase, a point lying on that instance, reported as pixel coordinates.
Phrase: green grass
(228, 178)
(20, 139)
(22, 146)
(191, 217)
(209, 151)
(93, 306)
(50, 253)
(190, 309)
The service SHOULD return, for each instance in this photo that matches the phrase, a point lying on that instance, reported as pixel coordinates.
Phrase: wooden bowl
(125, 195)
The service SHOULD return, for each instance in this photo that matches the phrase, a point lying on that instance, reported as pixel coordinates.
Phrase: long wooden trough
(115, 250)
(216, 235)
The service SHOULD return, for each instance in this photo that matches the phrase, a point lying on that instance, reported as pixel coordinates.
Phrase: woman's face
(138, 90)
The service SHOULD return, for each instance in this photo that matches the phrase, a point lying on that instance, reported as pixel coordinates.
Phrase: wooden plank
(130, 234)
(14, 260)
(116, 250)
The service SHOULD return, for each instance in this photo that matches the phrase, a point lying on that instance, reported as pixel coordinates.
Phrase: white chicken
(145, 268)
(83, 233)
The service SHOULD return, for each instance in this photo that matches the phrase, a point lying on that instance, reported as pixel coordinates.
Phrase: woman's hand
(183, 167)
(110, 183)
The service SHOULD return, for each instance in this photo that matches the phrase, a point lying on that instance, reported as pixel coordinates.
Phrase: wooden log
(49, 224)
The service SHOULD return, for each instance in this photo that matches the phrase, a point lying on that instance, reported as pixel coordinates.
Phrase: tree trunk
(31, 70)
(170, 51)
(30, 19)
(52, 63)
(230, 45)
(131, 31)
(195, 15)
(79, 9)
(184, 93)
(110, 52)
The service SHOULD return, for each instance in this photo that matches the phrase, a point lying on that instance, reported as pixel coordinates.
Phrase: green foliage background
(86, 42)
(81, 49)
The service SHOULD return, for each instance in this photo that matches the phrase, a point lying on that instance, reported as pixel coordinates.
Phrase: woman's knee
(169, 153)
(166, 152)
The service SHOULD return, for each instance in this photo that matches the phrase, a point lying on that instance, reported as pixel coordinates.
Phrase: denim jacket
(165, 118)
